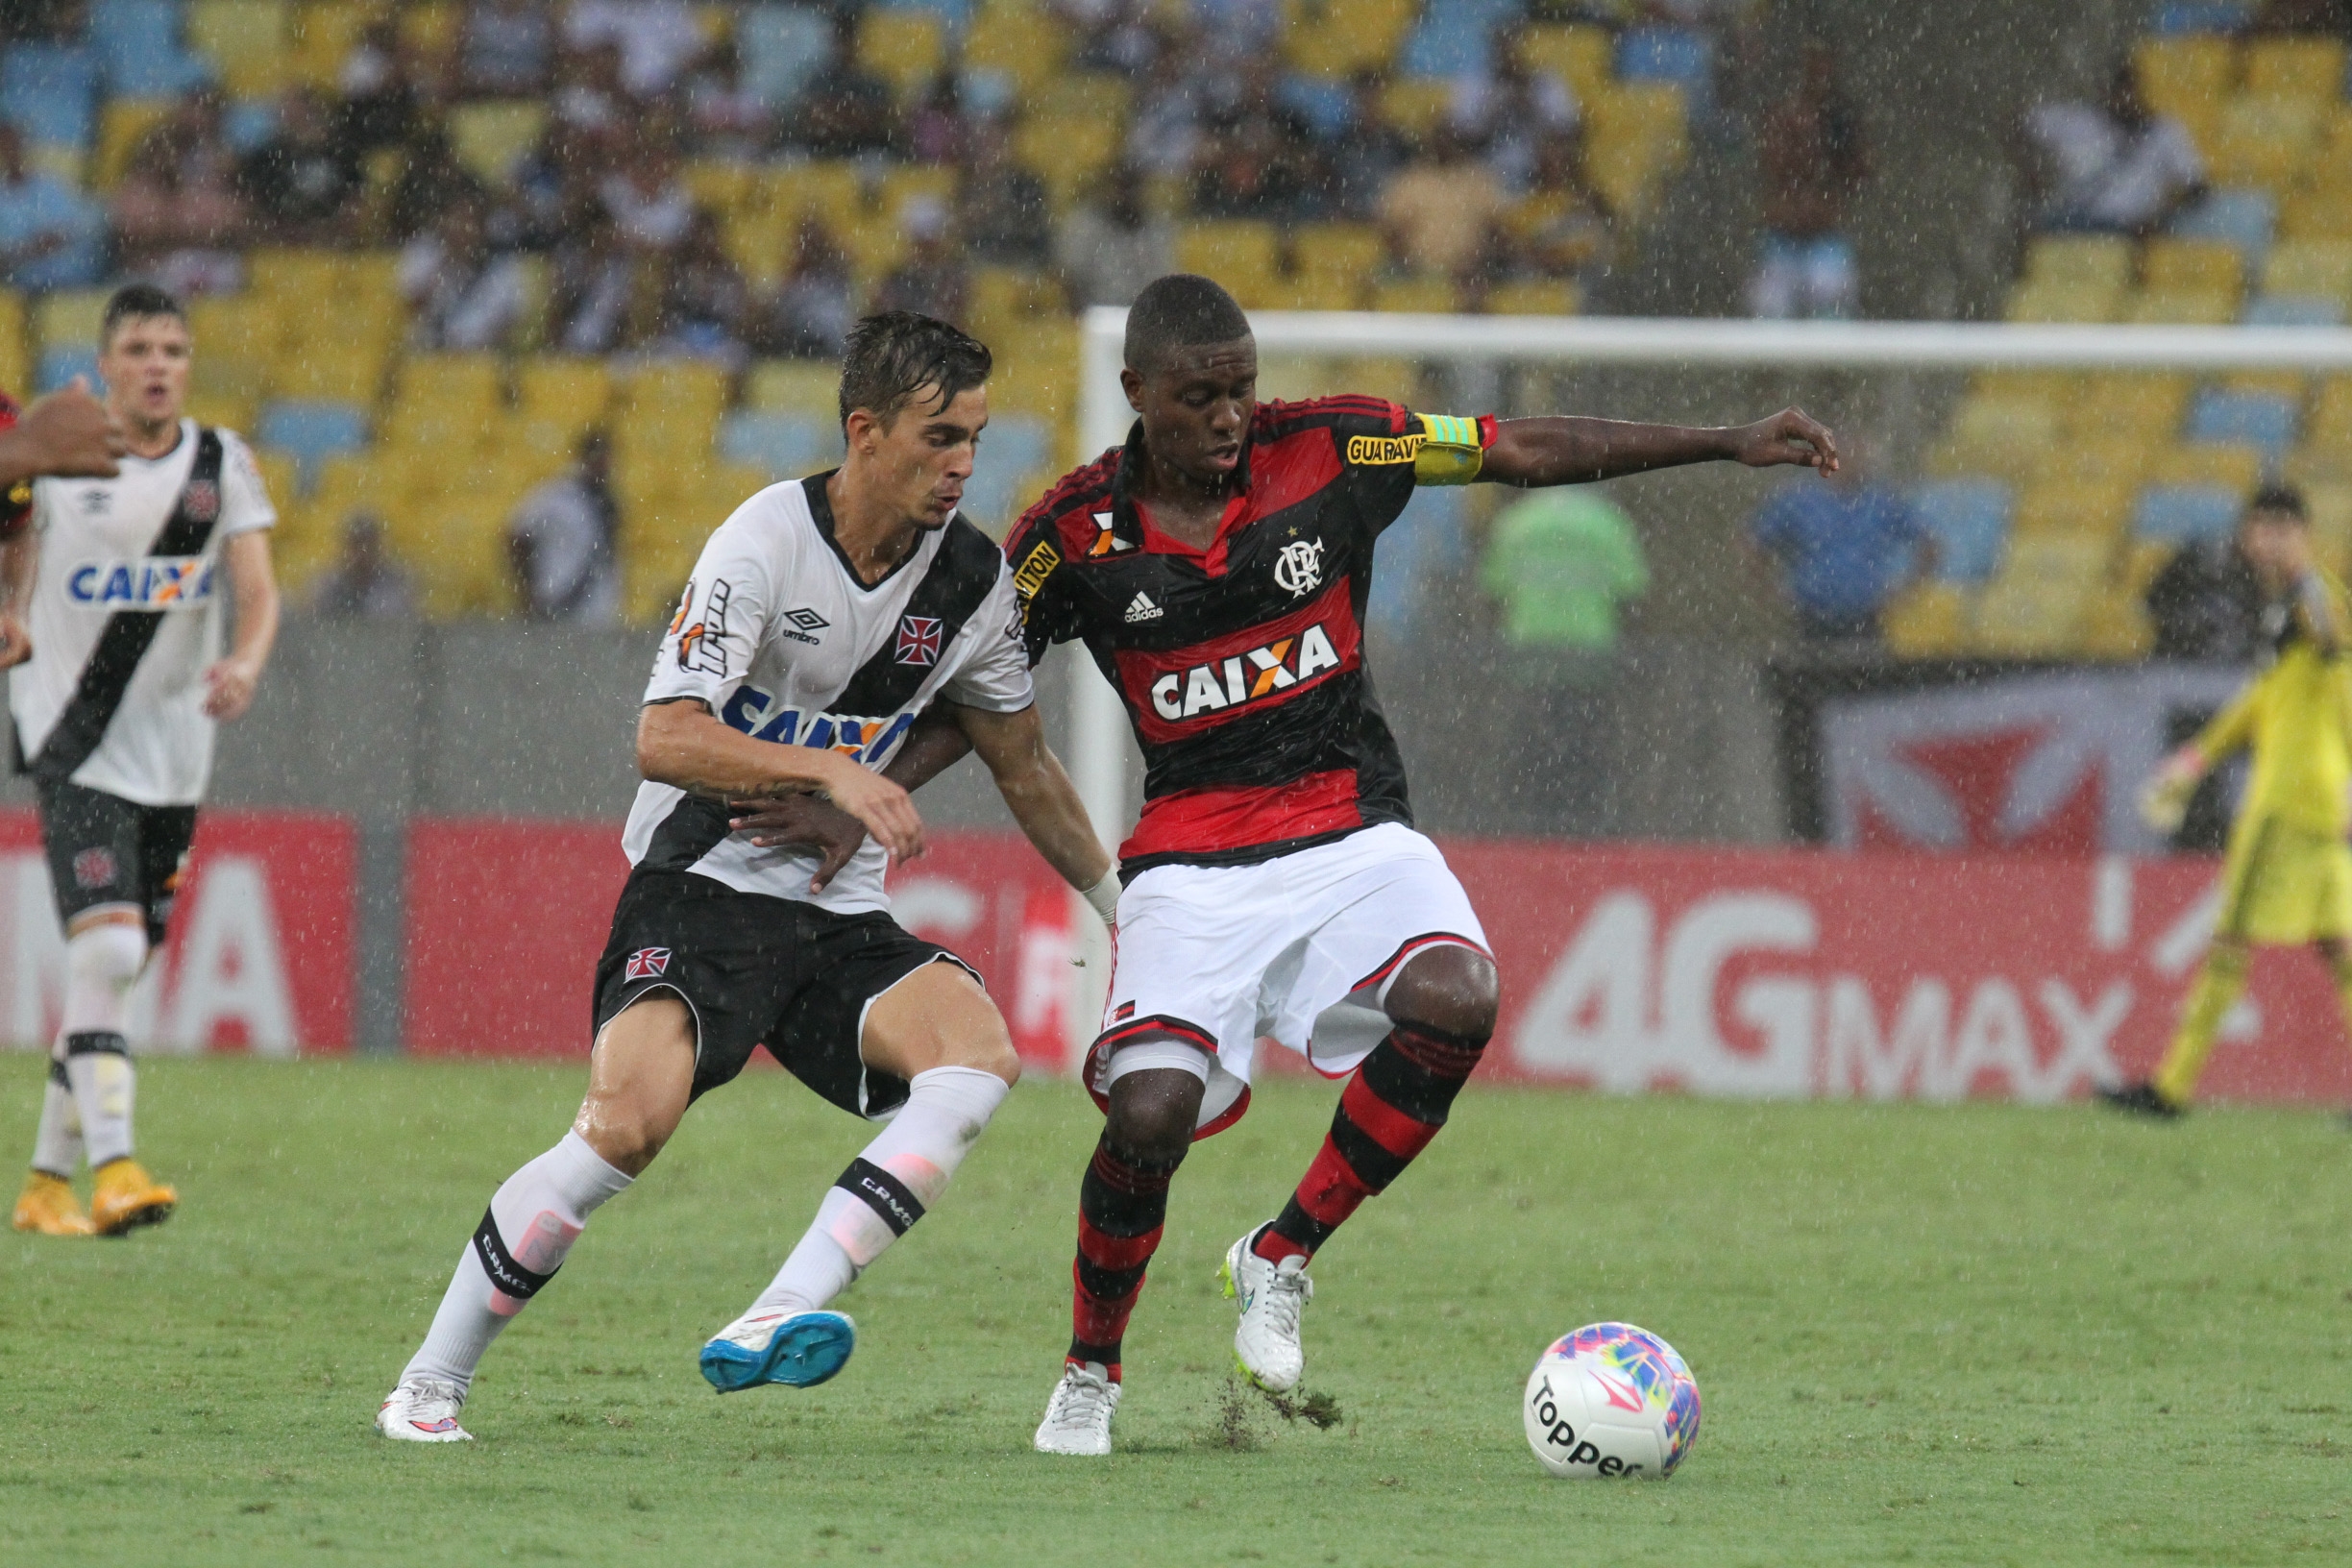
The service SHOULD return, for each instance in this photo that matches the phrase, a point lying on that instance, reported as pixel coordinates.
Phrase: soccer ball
(1611, 1400)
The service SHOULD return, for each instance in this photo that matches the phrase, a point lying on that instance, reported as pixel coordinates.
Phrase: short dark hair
(133, 302)
(2280, 497)
(894, 354)
(1179, 312)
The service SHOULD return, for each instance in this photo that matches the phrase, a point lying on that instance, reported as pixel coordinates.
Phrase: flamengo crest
(1298, 571)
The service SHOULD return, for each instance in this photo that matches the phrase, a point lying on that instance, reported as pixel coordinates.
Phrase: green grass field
(1966, 1334)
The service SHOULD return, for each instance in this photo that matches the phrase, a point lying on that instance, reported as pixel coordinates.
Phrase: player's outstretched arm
(67, 435)
(1044, 801)
(682, 742)
(1571, 450)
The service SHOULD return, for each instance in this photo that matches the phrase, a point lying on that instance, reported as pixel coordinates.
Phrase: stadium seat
(2128, 405)
(310, 432)
(1067, 151)
(794, 386)
(139, 49)
(2319, 212)
(2318, 267)
(2175, 514)
(571, 394)
(1579, 56)
(1325, 104)
(1636, 135)
(1454, 39)
(2083, 260)
(123, 123)
(2093, 456)
(1332, 40)
(2237, 215)
(2201, 17)
(1970, 519)
(62, 363)
(1244, 254)
(784, 445)
(1535, 297)
(2296, 67)
(2182, 308)
(2233, 466)
(1424, 295)
(2263, 142)
(1929, 620)
(2188, 78)
(2036, 299)
(321, 35)
(1679, 55)
(904, 48)
(953, 14)
(2084, 508)
(2191, 266)
(493, 138)
(50, 92)
(1015, 446)
(2255, 419)
(2034, 607)
(1018, 38)
(2295, 310)
(782, 47)
(247, 42)
(15, 356)
(2115, 627)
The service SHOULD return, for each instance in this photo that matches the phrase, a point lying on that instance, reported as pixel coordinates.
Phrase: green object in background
(1560, 562)
(1960, 1334)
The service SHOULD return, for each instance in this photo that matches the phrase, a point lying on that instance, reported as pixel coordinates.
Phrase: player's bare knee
(1452, 989)
(1153, 1114)
(986, 1047)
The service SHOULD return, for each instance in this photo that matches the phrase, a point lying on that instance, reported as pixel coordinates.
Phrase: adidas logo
(1141, 609)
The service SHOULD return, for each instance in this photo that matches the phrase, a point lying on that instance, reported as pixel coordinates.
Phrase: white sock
(530, 1225)
(101, 964)
(57, 1148)
(886, 1189)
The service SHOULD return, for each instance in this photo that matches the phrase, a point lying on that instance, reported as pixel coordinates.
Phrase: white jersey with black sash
(782, 640)
(125, 618)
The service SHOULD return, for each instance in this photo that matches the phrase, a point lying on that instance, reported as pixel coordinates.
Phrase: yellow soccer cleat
(127, 1197)
(48, 1207)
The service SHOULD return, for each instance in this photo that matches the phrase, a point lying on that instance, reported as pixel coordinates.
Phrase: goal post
(1102, 754)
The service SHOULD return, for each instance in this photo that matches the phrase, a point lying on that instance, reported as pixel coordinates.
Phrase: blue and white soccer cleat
(797, 1349)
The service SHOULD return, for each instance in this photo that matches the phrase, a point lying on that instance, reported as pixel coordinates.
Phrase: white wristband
(1104, 895)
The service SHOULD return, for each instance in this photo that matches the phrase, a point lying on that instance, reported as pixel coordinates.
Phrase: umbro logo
(801, 625)
(1141, 609)
(96, 503)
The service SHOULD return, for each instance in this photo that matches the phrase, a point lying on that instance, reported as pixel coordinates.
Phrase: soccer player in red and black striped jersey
(1216, 568)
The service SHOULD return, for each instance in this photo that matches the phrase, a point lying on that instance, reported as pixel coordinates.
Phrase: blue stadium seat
(1970, 519)
(2255, 419)
(248, 123)
(1015, 446)
(2236, 215)
(1427, 545)
(783, 46)
(50, 91)
(2174, 514)
(312, 432)
(2295, 310)
(137, 42)
(785, 445)
(62, 363)
(955, 13)
(1323, 105)
(1671, 53)
(2178, 16)
(1455, 37)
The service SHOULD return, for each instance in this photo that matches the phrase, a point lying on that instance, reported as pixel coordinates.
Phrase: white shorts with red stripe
(1300, 949)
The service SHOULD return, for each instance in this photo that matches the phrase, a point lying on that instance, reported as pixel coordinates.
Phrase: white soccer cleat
(1271, 1295)
(423, 1410)
(1078, 1416)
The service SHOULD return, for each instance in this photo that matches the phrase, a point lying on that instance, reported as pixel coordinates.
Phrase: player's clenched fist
(1790, 436)
(887, 810)
(72, 434)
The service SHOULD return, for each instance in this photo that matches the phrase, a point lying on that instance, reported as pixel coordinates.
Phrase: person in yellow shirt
(2288, 878)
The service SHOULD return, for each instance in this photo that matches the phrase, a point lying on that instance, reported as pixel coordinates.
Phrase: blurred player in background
(111, 623)
(2288, 878)
(822, 617)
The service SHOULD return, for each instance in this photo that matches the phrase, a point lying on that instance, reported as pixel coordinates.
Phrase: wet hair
(1179, 312)
(134, 302)
(2280, 497)
(894, 354)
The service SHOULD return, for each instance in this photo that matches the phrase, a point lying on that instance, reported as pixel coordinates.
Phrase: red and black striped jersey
(15, 503)
(1241, 666)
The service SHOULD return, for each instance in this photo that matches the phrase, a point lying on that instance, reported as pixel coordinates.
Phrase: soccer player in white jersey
(822, 617)
(111, 619)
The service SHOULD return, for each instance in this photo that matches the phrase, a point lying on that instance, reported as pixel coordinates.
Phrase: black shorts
(104, 850)
(756, 971)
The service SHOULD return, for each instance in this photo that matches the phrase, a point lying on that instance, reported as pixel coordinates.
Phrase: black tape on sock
(58, 1076)
(97, 1042)
(510, 1277)
(882, 1193)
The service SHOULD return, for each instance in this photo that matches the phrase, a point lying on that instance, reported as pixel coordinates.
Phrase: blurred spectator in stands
(705, 305)
(1812, 158)
(1248, 30)
(934, 278)
(1846, 548)
(1003, 211)
(1443, 210)
(810, 313)
(589, 97)
(299, 182)
(563, 543)
(556, 180)
(939, 130)
(1560, 228)
(729, 120)
(51, 235)
(2114, 166)
(1256, 158)
(656, 39)
(647, 195)
(506, 48)
(461, 294)
(1113, 35)
(1367, 151)
(846, 110)
(1110, 245)
(380, 105)
(1164, 129)
(1516, 111)
(431, 176)
(178, 214)
(591, 287)
(2306, 18)
(2206, 603)
(365, 583)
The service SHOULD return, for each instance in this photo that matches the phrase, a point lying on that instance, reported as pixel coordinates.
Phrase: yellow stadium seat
(2318, 212)
(2184, 307)
(2230, 467)
(68, 316)
(1067, 151)
(122, 124)
(722, 186)
(1582, 57)
(2032, 300)
(1644, 112)
(2191, 265)
(1034, 385)
(1244, 254)
(2005, 437)
(1929, 620)
(905, 48)
(224, 410)
(907, 182)
(2296, 67)
(2318, 267)
(672, 395)
(321, 35)
(1416, 104)
(492, 138)
(293, 275)
(568, 392)
(2143, 560)
(2263, 142)
(829, 187)
(2330, 505)
(2114, 460)
(2035, 607)
(277, 468)
(2186, 77)
(432, 27)
(2115, 627)
(1338, 250)
(1535, 297)
(2136, 407)
(1427, 296)
(15, 353)
(794, 386)
(2331, 417)
(1003, 300)
(247, 42)
(2084, 510)
(2057, 388)
(1086, 95)
(469, 381)
(1018, 38)
(2079, 261)
(339, 372)
(1336, 38)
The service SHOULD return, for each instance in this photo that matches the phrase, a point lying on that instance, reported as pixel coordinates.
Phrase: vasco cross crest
(1298, 570)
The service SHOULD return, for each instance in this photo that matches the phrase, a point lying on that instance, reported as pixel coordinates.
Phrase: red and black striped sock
(1122, 1207)
(1387, 1113)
